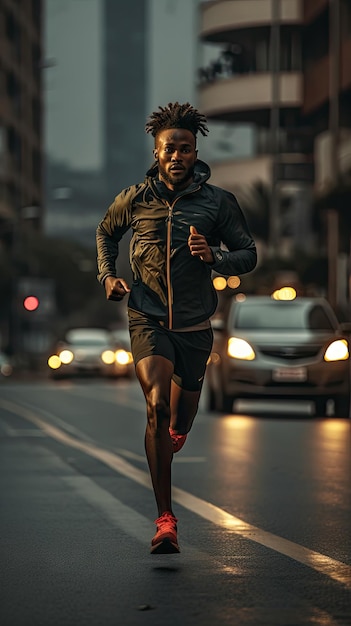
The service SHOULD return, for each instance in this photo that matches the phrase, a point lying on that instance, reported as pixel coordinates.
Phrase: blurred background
(78, 80)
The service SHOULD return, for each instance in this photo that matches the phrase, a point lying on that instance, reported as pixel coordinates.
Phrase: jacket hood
(202, 171)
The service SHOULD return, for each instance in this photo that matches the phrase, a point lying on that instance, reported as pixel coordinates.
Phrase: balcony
(316, 86)
(325, 154)
(235, 173)
(249, 97)
(230, 174)
(221, 17)
(313, 8)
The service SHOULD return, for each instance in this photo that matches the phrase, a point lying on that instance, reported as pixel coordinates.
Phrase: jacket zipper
(168, 258)
(168, 265)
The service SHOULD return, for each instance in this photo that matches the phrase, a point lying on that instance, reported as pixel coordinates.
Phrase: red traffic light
(31, 303)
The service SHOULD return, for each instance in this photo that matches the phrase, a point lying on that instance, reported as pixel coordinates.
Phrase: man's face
(175, 151)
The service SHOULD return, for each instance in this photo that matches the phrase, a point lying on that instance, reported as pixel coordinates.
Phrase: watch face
(219, 255)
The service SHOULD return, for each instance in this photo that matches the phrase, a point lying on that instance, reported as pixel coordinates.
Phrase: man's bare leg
(184, 406)
(155, 374)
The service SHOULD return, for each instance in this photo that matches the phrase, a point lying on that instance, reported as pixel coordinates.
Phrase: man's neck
(175, 188)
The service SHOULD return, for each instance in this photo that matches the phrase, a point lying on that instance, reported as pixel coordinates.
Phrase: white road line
(20, 432)
(142, 459)
(137, 526)
(7, 428)
(336, 570)
(121, 515)
(124, 517)
(133, 403)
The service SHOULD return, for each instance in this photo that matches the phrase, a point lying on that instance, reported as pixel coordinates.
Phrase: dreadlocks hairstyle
(177, 115)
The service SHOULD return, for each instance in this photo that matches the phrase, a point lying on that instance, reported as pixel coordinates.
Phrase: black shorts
(188, 351)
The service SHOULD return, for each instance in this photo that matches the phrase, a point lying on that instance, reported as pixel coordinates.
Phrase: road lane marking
(128, 454)
(131, 522)
(132, 403)
(136, 525)
(336, 570)
(121, 515)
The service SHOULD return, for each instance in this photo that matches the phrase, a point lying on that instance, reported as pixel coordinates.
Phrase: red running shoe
(165, 540)
(177, 440)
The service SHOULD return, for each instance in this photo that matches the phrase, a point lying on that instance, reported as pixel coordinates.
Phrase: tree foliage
(80, 299)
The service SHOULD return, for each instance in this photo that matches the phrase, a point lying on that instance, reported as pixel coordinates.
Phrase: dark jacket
(169, 283)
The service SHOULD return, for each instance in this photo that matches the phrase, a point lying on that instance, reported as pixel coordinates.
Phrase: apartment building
(327, 108)
(284, 67)
(21, 188)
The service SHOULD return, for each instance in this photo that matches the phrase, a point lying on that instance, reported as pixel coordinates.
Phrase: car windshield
(89, 341)
(281, 316)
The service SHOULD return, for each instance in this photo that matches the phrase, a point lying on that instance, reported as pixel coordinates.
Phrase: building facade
(21, 103)
(21, 153)
(78, 196)
(125, 93)
(327, 107)
(284, 67)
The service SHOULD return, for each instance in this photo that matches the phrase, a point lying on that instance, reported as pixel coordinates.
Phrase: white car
(88, 351)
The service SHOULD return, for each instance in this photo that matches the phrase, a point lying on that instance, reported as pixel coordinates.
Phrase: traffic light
(31, 303)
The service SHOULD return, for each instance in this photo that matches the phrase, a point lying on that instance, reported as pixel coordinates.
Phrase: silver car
(270, 348)
(89, 351)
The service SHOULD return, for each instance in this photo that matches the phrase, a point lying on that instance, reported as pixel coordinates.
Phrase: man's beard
(179, 182)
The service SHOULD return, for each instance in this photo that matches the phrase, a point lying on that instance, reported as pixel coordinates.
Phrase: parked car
(88, 351)
(268, 348)
(124, 358)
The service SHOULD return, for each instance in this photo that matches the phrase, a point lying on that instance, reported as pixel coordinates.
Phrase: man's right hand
(115, 288)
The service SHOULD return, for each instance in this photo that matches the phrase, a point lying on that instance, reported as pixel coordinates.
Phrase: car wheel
(320, 407)
(211, 399)
(226, 402)
(342, 405)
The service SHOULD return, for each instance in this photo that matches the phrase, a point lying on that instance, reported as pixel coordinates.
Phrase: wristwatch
(218, 255)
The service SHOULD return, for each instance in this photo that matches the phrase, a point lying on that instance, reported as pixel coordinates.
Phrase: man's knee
(158, 411)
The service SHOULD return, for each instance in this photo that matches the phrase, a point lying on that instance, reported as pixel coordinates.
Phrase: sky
(73, 78)
(73, 96)
(73, 89)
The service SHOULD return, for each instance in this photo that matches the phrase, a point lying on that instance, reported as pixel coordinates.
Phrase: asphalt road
(263, 503)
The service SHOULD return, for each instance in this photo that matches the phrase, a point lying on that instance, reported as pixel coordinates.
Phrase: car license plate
(290, 374)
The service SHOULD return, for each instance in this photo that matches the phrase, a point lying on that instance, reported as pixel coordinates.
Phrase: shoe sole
(178, 447)
(165, 547)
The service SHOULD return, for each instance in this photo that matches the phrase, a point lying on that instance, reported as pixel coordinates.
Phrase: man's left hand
(199, 247)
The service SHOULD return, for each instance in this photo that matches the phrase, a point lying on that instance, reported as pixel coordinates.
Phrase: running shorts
(188, 351)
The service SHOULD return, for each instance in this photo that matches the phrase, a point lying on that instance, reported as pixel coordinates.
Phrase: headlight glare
(123, 357)
(337, 351)
(240, 349)
(108, 357)
(54, 362)
(66, 357)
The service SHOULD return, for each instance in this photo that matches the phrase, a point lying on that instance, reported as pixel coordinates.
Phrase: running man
(182, 229)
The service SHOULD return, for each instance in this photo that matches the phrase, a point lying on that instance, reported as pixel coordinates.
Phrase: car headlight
(54, 362)
(214, 358)
(66, 357)
(123, 357)
(108, 357)
(6, 369)
(240, 349)
(337, 351)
